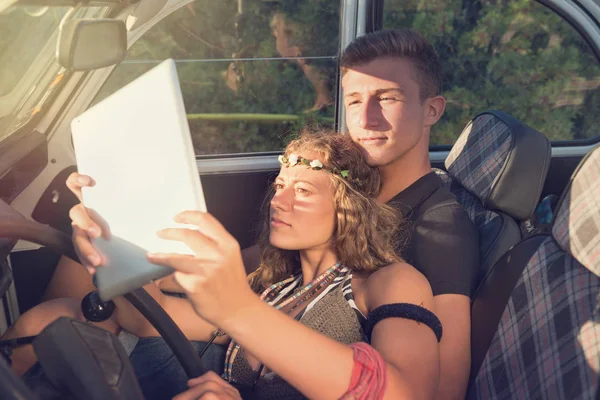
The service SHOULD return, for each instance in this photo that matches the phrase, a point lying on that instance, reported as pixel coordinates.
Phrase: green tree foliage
(206, 36)
(513, 55)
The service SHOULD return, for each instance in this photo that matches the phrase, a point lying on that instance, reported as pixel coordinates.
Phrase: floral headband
(294, 160)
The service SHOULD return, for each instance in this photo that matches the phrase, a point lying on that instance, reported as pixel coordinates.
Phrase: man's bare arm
(453, 310)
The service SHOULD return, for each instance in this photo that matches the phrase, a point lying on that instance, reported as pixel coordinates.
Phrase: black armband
(407, 311)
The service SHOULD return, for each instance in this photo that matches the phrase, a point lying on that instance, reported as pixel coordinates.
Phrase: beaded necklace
(301, 295)
(271, 295)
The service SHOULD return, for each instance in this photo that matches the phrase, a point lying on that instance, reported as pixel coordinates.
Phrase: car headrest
(503, 162)
(576, 226)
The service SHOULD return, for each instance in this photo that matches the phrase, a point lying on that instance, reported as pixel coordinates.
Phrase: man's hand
(85, 227)
(209, 386)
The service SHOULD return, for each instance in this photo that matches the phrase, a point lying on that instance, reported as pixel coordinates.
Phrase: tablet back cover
(136, 145)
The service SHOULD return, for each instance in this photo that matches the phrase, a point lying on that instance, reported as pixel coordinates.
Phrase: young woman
(330, 313)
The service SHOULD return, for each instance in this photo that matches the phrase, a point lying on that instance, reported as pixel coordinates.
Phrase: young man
(391, 82)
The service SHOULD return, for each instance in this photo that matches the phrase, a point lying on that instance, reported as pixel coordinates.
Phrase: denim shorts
(159, 373)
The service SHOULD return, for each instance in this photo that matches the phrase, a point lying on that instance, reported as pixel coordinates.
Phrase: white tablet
(136, 145)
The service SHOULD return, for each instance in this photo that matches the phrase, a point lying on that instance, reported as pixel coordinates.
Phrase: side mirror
(87, 44)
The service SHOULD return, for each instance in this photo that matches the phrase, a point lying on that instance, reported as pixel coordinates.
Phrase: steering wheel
(16, 227)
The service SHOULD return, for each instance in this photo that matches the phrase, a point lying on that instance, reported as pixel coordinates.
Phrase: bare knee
(39, 317)
(70, 279)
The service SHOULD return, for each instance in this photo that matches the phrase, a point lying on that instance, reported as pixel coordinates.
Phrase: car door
(30, 82)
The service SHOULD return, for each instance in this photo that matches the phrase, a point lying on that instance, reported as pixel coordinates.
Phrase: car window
(515, 56)
(248, 78)
(29, 71)
(19, 47)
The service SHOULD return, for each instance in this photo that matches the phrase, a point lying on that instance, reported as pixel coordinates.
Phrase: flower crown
(295, 159)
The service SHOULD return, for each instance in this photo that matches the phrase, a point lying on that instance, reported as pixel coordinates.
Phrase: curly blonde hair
(366, 234)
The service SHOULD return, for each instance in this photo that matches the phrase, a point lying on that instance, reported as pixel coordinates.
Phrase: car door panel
(21, 160)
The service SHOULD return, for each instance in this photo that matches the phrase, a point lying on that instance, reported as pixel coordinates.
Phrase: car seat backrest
(496, 170)
(547, 341)
(501, 161)
(577, 223)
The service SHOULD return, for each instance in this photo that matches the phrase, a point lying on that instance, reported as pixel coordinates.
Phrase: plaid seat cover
(577, 224)
(546, 345)
(474, 163)
(477, 157)
(472, 205)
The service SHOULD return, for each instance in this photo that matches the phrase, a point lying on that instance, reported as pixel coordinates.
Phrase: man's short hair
(401, 43)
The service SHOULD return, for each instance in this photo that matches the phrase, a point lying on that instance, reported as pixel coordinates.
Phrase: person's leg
(32, 323)
(70, 279)
(158, 371)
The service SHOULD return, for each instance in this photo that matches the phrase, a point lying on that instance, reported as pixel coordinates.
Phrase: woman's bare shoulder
(399, 282)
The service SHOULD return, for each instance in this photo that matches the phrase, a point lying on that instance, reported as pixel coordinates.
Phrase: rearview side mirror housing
(87, 44)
